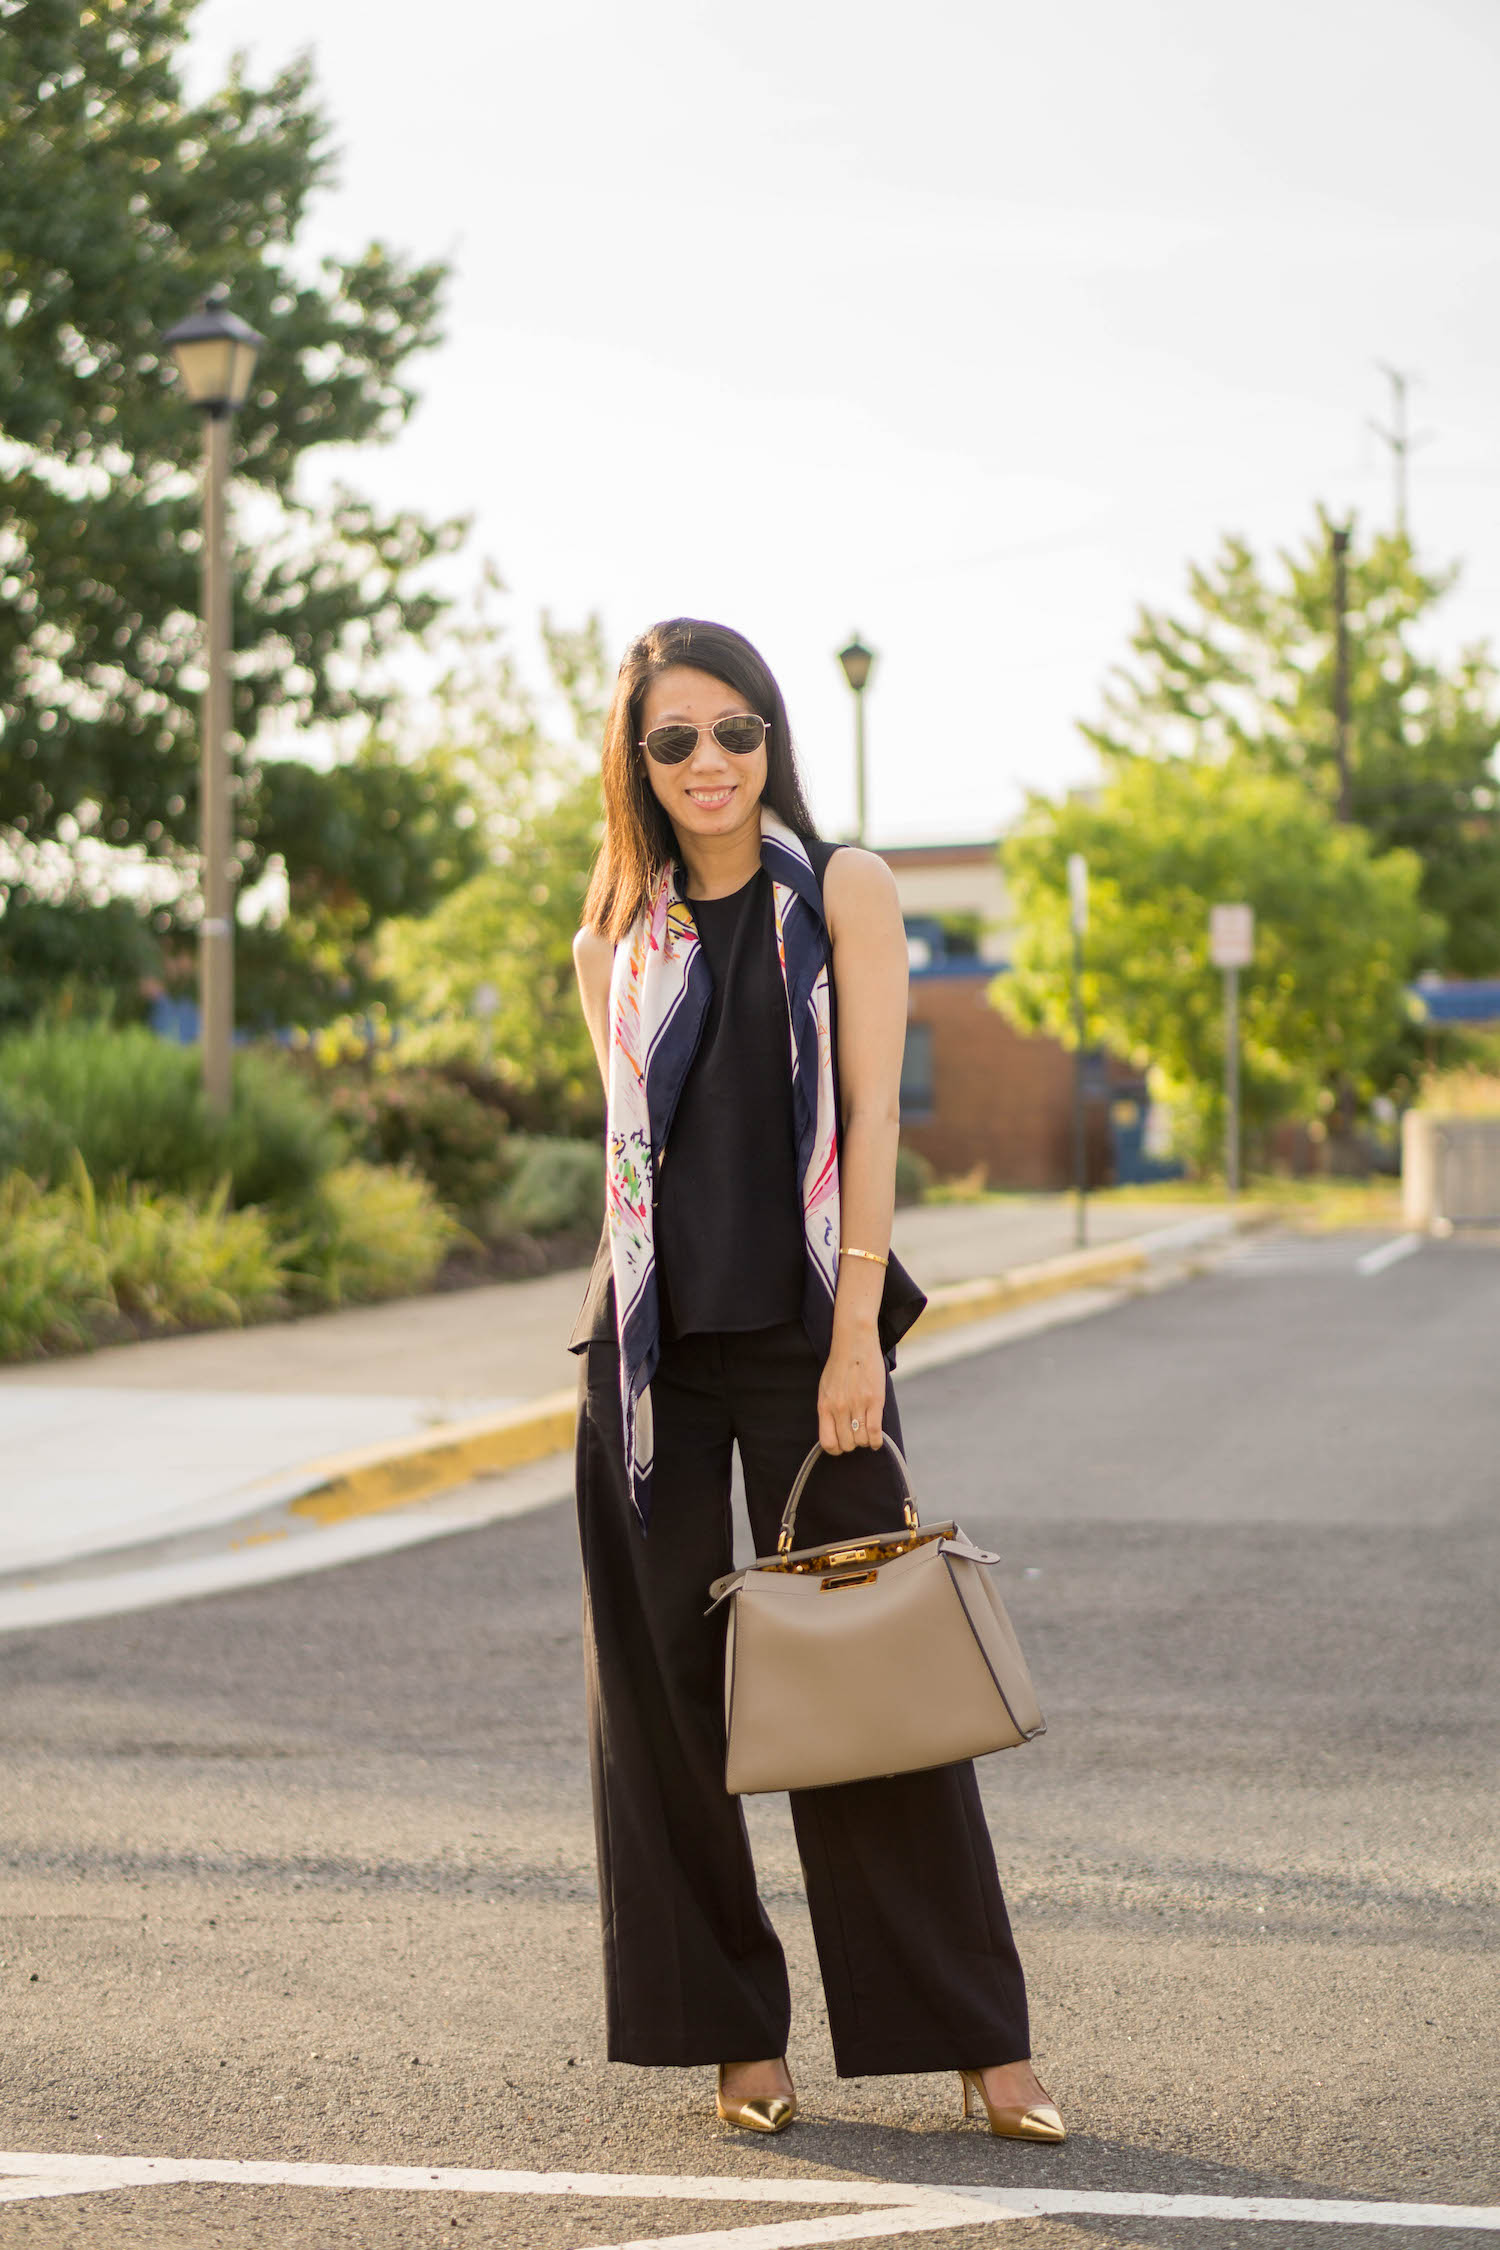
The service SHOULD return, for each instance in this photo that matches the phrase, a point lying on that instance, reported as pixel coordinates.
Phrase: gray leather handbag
(868, 1656)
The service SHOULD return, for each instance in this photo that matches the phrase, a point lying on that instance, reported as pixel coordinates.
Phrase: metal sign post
(486, 1006)
(1078, 916)
(1231, 946)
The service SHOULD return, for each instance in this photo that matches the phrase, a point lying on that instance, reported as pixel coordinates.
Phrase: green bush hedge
(131, 1107)
(176, 1264)
(125, 1203)
(370, 1231)
(554, 1185)
(55, 1294)
(431, 1124)
(74, 1264)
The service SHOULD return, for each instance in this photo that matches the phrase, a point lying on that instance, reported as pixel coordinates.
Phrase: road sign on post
(1231, 946)
(1078, 916)
(1231, 936)
(1078, 893)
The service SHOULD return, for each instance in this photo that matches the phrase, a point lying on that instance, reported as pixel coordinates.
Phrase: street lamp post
(215, 352)
(857, 660)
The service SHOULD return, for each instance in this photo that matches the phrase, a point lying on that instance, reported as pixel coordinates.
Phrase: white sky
(966, 325)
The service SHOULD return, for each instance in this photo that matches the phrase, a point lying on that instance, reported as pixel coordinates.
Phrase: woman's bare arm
(870, 969)
(593, 962)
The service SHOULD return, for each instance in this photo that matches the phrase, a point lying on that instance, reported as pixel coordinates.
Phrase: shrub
(72, 1261)
(432, 1125)
(554, 1185)
(914, 1175)
(24, 1131)
(553, 1103)
(1468, 1091)
(280, 1138)
(370, 1231)
(126, 1102)
(174, 1264)
(131, 1107)
(54, 1282)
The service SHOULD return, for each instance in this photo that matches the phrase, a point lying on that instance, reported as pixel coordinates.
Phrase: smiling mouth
(711, 797)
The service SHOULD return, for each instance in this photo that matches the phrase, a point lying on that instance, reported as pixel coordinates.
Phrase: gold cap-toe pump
(763, 2113)
(1037, 2121)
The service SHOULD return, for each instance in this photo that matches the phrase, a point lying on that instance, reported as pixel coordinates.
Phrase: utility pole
(1399, 440)
(1339, 536)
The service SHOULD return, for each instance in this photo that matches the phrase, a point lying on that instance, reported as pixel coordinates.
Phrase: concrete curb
(375, 1477)
(954, 1304)
(330, 1499)
(382, 1476)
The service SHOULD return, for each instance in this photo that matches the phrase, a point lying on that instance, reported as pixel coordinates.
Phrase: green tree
(1337, 925)
(123, 202)
(511, 926)
(382, 834)
(59, 953)
(1247, 667)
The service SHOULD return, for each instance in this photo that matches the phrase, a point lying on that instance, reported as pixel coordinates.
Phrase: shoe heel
(1039, 2121)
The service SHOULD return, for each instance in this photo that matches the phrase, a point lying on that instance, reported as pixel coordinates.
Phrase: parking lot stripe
(1388, 1254)
(806, 2234)
(891, 2207)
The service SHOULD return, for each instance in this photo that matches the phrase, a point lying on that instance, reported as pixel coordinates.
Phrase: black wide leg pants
(918, 1963)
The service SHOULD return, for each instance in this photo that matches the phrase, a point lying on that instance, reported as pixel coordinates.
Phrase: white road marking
(1043, 2203)
(793, 2234)
(890, 2207)
(1388, 1253)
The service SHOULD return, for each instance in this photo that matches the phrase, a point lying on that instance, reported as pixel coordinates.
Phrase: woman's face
(714, 792)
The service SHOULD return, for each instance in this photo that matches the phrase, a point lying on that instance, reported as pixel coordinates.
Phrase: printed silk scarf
(658, 996)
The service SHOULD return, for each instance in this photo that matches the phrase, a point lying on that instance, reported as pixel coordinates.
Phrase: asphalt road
(306, 1872)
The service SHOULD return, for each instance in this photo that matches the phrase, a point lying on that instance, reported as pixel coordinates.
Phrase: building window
(917, 1097)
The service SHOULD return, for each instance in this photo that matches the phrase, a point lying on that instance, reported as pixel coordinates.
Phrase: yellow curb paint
(385, 1476)
(958, 1302)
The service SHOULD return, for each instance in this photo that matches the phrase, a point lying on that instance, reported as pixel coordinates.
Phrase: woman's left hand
(851, 1393)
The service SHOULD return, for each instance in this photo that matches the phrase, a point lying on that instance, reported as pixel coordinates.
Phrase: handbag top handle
(799, 1486)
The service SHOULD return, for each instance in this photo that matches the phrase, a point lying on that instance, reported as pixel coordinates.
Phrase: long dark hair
(638, 837)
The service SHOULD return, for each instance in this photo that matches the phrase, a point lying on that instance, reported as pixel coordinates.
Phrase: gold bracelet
(873, 1256)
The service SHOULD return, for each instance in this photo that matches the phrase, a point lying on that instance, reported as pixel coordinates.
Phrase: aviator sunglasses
(741, 733)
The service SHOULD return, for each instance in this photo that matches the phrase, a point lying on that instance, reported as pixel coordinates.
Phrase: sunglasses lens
(740, 734)
(670, 745)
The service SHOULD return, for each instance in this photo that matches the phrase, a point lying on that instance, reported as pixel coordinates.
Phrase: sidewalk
(152, 1442)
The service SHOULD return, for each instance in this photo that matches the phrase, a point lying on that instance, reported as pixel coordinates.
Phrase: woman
(745, 989)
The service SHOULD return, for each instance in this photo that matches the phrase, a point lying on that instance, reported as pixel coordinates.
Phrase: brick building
(975, 1091)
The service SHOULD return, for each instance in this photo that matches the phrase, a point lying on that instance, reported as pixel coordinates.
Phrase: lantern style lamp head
(215, 353)
(856, 660)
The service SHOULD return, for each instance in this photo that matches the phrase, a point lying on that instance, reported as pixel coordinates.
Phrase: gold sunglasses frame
(765, 729)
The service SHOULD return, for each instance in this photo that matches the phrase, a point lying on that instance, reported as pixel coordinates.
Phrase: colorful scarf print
(658, 996)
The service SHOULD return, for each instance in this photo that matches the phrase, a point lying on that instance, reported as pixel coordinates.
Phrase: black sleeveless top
(728, 1221)
(728, 1233)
